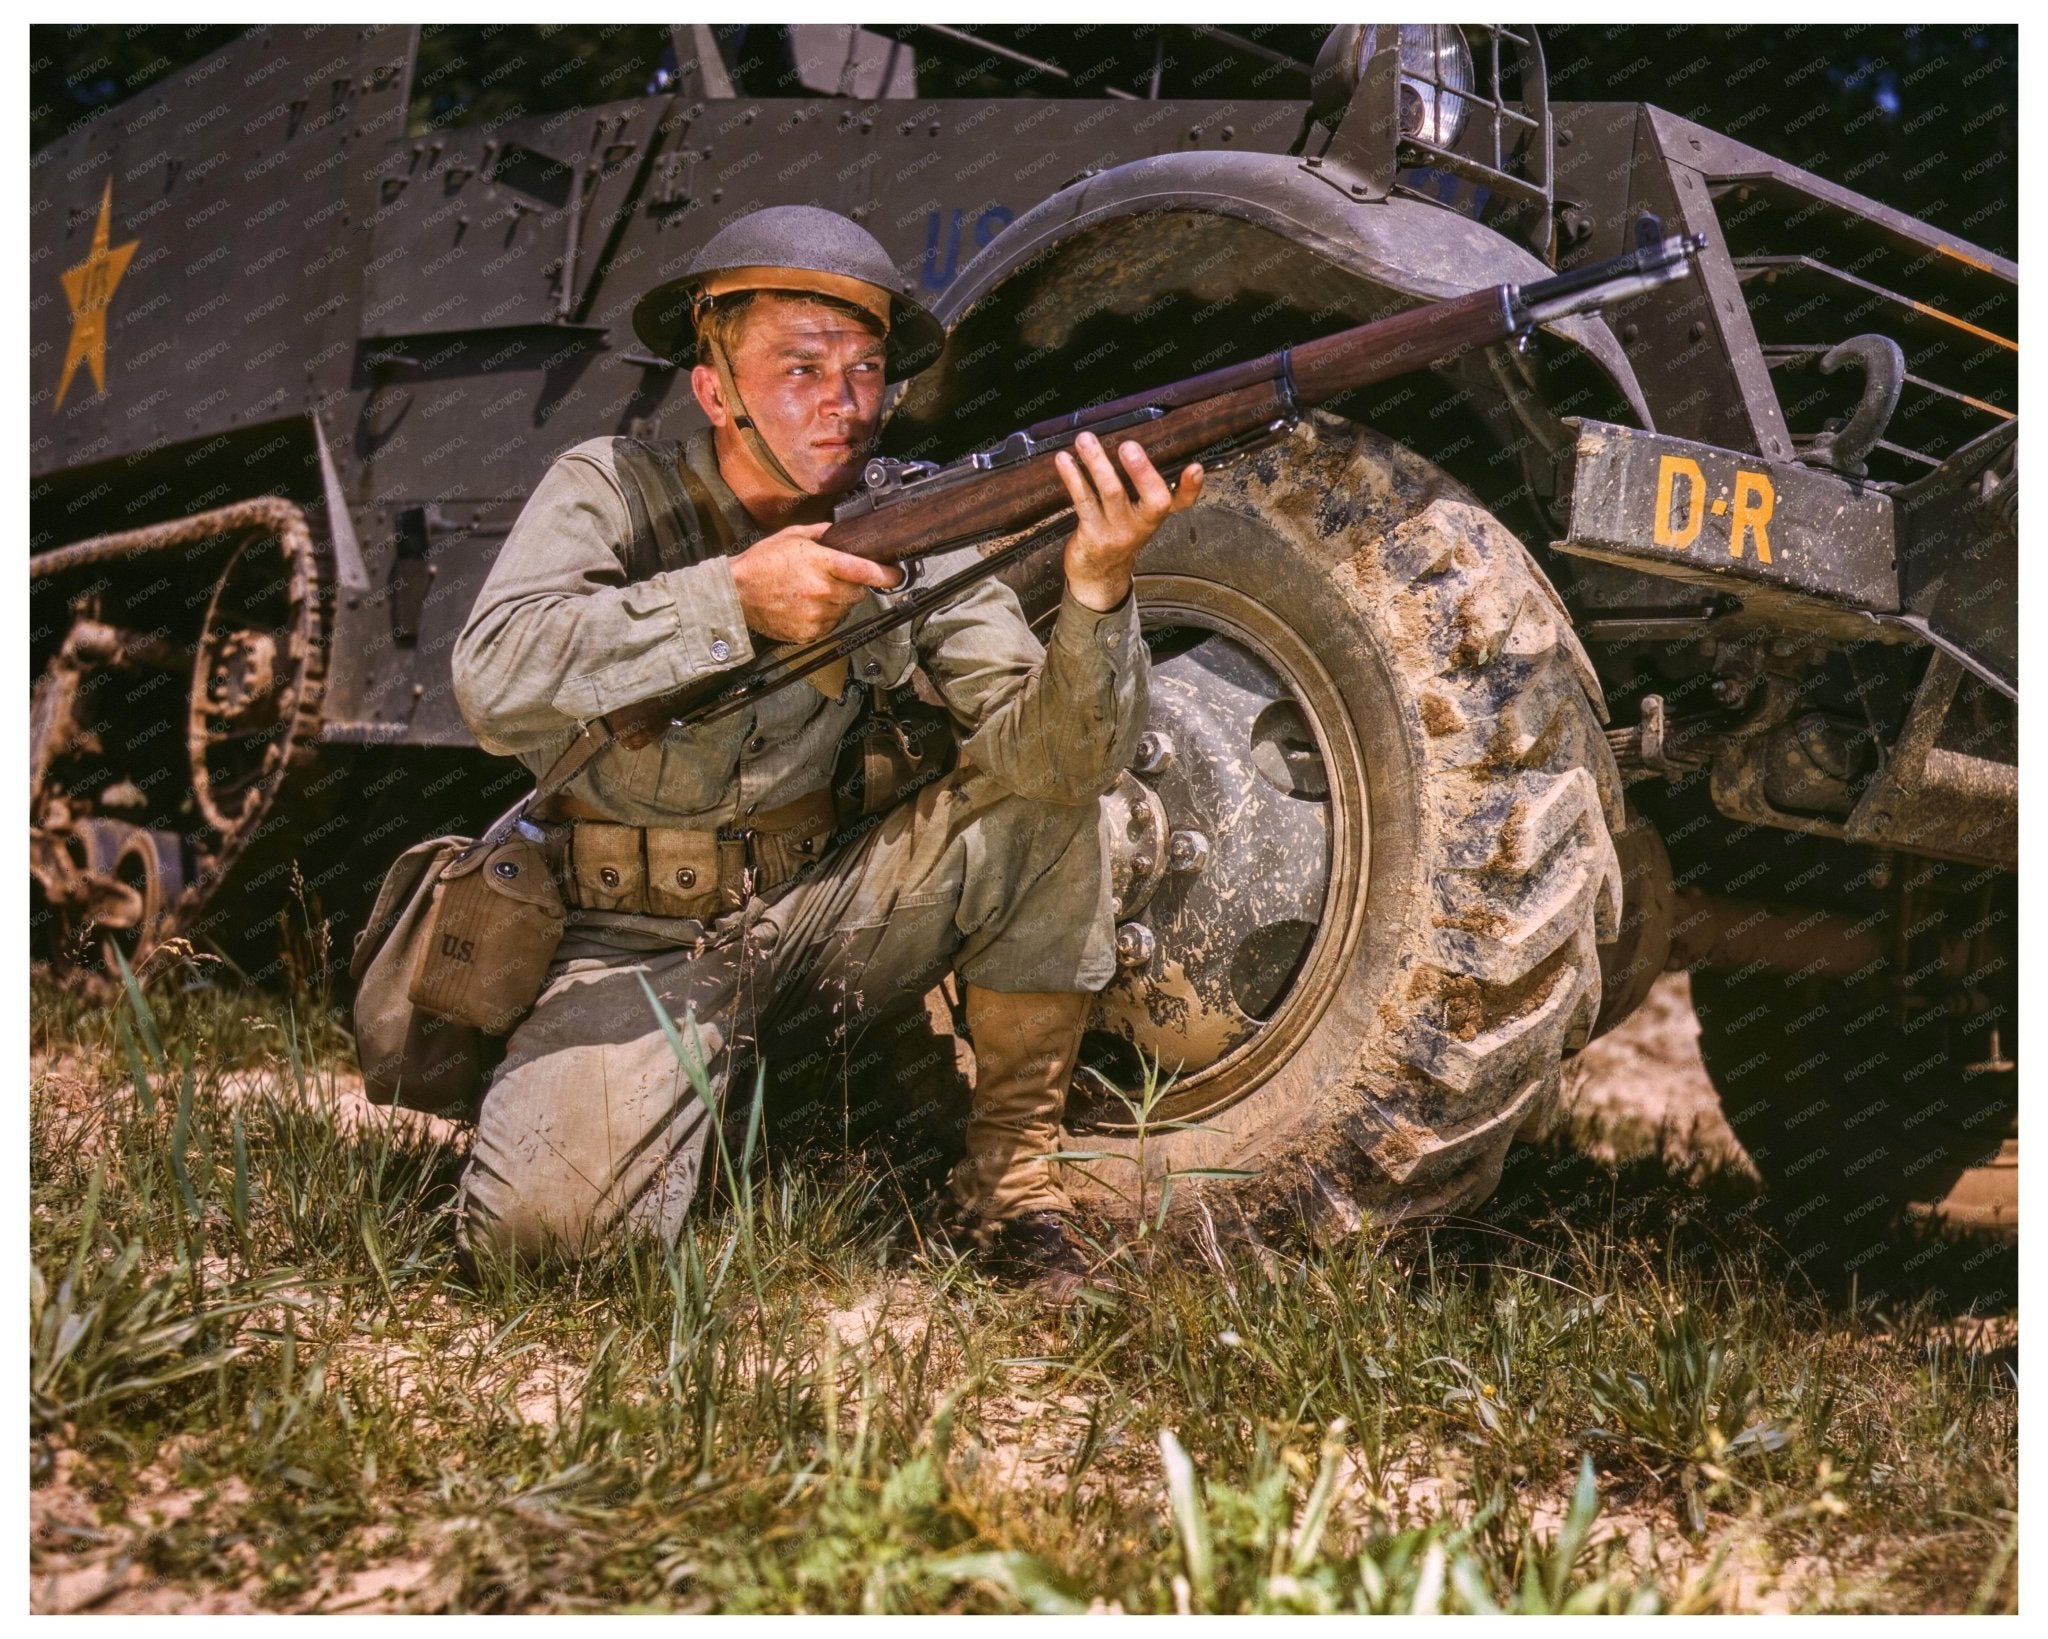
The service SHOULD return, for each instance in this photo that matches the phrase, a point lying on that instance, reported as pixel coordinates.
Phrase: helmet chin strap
(750, 435)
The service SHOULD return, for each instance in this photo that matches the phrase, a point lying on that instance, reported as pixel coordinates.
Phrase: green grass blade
(138, 1072)
(1429, 1584)
(1018, 1576)
(690, 1055)
(1994, 1574)
(181, 1130)
(1578, 1526)
(88, 1221)
(1315, 1514)
(1190, 1518)
(1469, 1583)
(145, 1020)
(753, 1136)
(238, 1201)
(291, 1048)
(373, 1245)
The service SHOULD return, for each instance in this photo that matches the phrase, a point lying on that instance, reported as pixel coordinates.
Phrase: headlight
(1435, 80)
(1436, 76)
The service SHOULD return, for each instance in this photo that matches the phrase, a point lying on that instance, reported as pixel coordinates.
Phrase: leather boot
(1025, 1048)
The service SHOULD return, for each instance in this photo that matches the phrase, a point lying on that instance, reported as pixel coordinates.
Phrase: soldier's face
(811, 377)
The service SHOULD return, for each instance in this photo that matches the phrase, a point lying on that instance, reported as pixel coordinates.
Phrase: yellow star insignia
(89, 287)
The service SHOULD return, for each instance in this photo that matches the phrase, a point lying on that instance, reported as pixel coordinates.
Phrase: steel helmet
(797, 250)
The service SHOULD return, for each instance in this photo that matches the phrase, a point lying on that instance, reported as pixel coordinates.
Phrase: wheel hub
(1220, 861)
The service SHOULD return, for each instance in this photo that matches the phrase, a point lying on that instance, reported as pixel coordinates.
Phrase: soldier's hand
(793, 589)
(1112, 524)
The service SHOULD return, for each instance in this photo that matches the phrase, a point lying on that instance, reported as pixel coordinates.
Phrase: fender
(1125, 234)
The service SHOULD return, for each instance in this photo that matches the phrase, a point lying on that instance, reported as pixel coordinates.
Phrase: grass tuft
(260, 1376)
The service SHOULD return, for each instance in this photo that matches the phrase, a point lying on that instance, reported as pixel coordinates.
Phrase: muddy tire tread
(1501, 979)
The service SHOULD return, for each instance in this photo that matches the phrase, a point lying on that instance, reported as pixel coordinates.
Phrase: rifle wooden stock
(1201, 412)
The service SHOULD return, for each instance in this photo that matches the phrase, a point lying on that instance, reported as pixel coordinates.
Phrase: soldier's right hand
(794, 590)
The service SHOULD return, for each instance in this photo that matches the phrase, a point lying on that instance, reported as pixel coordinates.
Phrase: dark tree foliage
(78, 69)
(482, 74)
(1922, 117)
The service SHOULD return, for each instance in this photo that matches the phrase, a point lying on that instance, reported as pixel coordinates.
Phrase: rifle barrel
(1201, 411)
(1270, 366)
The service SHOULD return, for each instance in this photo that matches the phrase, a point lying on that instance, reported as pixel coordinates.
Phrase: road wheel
(1365, 864)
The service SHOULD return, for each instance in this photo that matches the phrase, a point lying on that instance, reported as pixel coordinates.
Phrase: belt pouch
(682, 873)
(609, 866)
(492, 930)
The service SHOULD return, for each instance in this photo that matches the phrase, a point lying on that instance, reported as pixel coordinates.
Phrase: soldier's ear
(710, 395)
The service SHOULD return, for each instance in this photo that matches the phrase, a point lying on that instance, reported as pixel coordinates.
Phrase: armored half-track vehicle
(1682, 637)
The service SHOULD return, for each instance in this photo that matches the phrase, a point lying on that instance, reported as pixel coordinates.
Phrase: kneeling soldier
(699, 861)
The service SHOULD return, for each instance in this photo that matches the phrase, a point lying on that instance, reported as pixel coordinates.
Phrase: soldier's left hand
(1112, 524)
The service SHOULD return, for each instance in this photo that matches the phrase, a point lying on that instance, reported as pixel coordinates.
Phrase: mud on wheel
(1363, 863)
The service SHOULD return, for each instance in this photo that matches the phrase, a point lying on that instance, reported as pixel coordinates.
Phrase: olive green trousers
(591, 1122)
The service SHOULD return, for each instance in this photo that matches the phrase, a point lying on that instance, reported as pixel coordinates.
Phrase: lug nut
(1187, 851)
(1135, 945)
(1155, 752)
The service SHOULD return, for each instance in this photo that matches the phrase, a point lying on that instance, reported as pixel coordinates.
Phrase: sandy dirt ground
(1642, 1089)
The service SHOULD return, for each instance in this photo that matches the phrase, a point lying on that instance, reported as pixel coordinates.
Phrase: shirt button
(871, 668)
(720, 649)
(757, 742)
(1115, 640)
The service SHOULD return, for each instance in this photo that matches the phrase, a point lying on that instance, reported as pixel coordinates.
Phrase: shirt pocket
(683, 774)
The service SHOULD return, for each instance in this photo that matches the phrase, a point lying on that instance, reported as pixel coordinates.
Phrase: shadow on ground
(1551, 1194)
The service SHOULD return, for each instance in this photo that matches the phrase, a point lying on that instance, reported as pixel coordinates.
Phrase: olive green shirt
(562, 633)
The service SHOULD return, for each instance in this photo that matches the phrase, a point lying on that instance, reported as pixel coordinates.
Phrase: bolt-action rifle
(907, 510)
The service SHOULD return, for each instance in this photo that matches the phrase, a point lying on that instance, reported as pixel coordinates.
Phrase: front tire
(1450, 957)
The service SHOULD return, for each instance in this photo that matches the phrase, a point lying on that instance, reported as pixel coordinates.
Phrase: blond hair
(720, 327)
